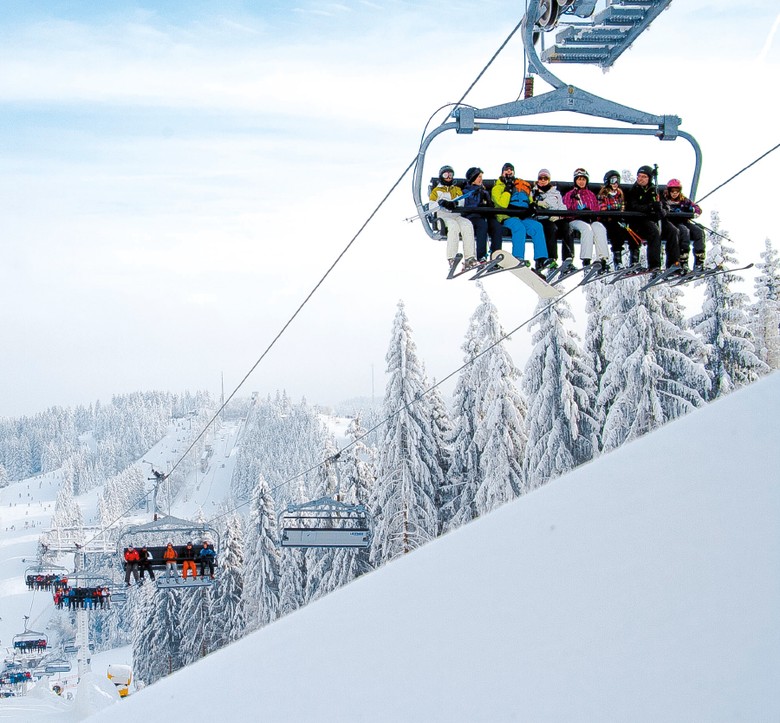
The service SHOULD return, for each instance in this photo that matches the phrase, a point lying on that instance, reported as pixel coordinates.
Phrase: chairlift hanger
(562, 97)
(325, 522)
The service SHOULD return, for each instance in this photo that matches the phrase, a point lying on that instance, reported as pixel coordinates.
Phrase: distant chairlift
(325, 523)
(157, 534)
(30, 643)
(56, 665)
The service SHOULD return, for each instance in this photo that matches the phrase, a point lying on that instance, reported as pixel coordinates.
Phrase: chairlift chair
(155, 536)
(325, 523)
(57, 665)
(616, 28)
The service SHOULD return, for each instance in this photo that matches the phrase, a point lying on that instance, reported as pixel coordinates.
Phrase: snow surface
(641, 587)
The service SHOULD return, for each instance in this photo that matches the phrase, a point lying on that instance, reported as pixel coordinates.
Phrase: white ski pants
(590, 232)
(457, 228)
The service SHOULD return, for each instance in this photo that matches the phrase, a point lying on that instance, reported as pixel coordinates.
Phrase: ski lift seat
(325, 523)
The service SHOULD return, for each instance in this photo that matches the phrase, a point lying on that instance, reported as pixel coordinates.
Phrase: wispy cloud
(769, 40)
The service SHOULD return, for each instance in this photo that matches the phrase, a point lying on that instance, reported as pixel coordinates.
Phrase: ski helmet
(444, 169)
(647, 170)
(674, 183)
(609, 175)
(581, 172)
(472, 173)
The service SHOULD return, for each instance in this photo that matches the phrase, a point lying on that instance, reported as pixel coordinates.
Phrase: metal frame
(325, 523)
(562, 97)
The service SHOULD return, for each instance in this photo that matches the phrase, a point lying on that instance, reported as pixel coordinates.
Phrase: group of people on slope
(660, 222)
(139, 560)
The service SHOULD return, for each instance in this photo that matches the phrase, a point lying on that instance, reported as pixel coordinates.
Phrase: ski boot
(698, 261)
(634, 257)
(617, 260)
(470, 263)
(540, 266)
(604, 266)
(684, 263)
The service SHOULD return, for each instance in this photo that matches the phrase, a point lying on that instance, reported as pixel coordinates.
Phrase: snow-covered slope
(641, 587)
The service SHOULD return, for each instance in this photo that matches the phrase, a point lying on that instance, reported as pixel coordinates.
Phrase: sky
(175, 179)
(642, 586)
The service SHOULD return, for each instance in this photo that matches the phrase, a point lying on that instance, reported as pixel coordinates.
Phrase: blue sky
(175, 177)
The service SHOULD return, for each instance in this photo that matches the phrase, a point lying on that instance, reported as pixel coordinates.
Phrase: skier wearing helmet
(643, 197)
(687, 230)
(611, 198)
(580, 198)
(446, 194)
(547, 195)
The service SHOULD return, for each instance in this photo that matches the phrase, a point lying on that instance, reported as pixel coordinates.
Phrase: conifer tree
(262, 562)
(408, 470)
(723, 324)
(560, 388)
(654, 372)
(228, 614)
(765, 313)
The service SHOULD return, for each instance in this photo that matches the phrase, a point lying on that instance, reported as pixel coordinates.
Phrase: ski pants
(590, 233)
(485, 226)
(188, 565)
(520, 227)
(554, 230)
(170, 569)
(147, 568)
(672, 238)
(688, 232)
(458, 227)
(131, 568)
(618, 237)
(649, 231)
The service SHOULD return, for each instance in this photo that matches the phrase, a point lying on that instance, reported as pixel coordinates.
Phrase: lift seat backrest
(563, 186)
(157, 561)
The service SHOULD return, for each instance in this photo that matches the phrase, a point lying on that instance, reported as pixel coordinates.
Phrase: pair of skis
(504, 261)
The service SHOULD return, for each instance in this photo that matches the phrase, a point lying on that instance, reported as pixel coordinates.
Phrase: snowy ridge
(642, 586)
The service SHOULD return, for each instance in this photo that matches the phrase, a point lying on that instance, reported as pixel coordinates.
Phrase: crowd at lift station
(654, 216)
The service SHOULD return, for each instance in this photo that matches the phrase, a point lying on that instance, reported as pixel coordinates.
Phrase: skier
(206, 556)
(687, 230)
(131, 564)
(547, 195)
(477, 195)
(145, 558)
(611, 198)
(446, 194)
(170, 560)
(643, 197)
(580, 198)
(187, 556)
(515, 193)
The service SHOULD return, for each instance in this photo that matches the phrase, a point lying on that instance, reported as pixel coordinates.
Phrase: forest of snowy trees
(422, 466)
(427, 468)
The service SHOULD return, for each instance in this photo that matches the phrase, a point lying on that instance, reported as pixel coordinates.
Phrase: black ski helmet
(647, 170)
(442, 171)
(610, 174)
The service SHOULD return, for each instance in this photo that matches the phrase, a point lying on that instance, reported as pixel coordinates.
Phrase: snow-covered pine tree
(228, 614)
(723, 324)
(67, 512)
(292, 581)
(195, 625)
(142, 604)
(595, 343)
(357, 473)
(166, 622)
(560, 387)
(262, 562)
(654, 372)
(408, 471)
(765, 313)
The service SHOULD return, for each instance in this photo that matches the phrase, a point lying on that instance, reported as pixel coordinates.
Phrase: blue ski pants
(520, 227)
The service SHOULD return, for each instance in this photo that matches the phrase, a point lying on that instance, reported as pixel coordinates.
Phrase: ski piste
(506, 262)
